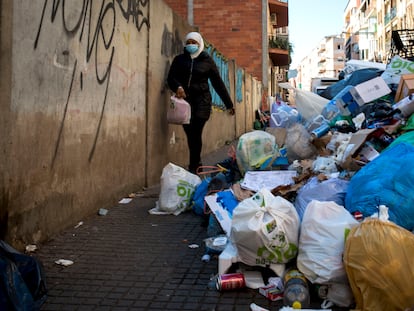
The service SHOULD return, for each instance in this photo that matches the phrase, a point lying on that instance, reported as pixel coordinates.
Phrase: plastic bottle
(296, 293)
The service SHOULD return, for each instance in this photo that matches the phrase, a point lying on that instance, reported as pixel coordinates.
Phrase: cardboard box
(346, 102)
(370, 90)
(355, 144)
(405, 87)
(271, 292)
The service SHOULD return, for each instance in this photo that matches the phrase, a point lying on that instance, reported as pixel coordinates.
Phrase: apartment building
(252, 33)
(374, 30)
(325, 60)
(371, 24)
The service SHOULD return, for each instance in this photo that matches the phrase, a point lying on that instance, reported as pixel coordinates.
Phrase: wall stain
(96, 35)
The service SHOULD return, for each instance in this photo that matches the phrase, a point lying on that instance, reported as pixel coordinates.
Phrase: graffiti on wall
(95, 28)
(171, 45)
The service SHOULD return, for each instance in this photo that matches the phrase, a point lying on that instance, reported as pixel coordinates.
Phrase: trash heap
(323, 189)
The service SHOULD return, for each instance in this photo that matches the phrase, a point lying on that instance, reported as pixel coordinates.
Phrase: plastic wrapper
(378, 259)
(298, 143)
(309, 104)
(256, 150)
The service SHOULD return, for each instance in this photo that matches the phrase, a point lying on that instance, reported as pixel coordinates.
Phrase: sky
(310, 21)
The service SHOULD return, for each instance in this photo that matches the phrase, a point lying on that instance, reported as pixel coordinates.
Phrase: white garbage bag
(322, 242)
(265, 229)
(177, 189)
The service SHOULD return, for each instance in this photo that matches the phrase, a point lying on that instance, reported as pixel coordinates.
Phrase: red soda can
(230, 281)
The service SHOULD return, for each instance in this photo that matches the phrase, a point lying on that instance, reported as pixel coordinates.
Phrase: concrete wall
(83, 108)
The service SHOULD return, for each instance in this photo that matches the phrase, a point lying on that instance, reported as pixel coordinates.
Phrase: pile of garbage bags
(326, 186)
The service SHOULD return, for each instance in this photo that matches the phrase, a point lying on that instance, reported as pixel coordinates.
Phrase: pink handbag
(179, 111)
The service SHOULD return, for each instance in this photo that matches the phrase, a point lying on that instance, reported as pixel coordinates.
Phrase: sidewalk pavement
(129, 259)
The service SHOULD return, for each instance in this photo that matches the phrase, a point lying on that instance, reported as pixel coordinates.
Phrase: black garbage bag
(22, 283)
(357, 77)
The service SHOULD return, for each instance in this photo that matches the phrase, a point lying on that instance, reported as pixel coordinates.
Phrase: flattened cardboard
(355, 143)
(221, 214)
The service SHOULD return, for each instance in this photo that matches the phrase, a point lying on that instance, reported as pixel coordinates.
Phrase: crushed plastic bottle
(296, 293)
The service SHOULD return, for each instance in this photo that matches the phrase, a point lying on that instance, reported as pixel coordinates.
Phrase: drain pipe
(190, 15)
(265, 49)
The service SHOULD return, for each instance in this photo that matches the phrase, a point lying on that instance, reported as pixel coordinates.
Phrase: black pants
(194, 133)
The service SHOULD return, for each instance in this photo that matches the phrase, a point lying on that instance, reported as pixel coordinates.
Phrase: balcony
(279, 50)
(368, 8)
(390, 16)
(280, 8)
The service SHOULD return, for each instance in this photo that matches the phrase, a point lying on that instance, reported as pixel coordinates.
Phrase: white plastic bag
(322, 242)
(265, 229)
(298, 143)
(177, 188)
(339, 294)
(179, 111)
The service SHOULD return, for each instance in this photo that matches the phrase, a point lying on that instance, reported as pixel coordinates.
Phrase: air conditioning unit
(273, 19)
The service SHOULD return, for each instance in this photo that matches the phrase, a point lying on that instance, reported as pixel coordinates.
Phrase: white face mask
(192, 48)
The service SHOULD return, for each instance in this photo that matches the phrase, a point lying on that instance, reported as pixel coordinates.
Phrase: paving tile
(131, 260)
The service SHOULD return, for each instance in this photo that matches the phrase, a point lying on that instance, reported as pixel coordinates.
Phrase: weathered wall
(83, 108)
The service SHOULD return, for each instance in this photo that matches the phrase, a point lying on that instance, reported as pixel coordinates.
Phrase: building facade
(374, 30)
(326, 60)
(253, 33)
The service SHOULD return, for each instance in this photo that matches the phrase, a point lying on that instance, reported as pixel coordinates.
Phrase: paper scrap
(257, 180)
(64, 262)
(125, 201)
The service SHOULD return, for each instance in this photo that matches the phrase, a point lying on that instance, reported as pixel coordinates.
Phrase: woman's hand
(180, 92)
(231, 111)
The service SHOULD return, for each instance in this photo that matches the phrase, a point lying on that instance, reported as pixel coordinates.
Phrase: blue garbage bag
(357, 77)
(22, 283)
(333, 189)
(198, 196)
(387, 180)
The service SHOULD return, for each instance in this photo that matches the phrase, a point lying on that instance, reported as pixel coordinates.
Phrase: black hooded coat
(193, 74)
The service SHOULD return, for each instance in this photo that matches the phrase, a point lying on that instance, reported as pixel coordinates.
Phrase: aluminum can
(230, 281)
